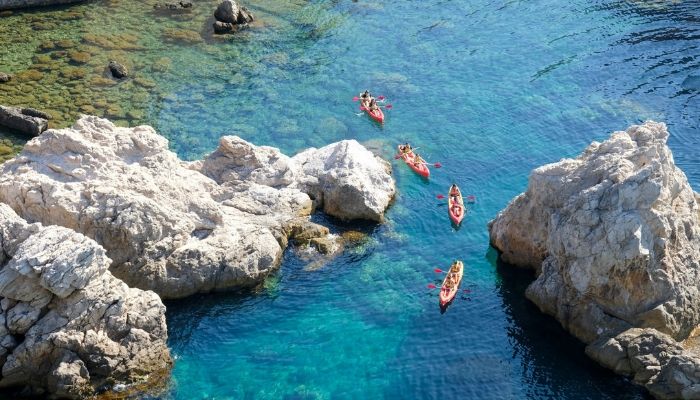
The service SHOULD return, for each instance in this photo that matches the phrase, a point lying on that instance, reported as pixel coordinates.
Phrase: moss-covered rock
(181, 36)
(29, 75)
(79, 57)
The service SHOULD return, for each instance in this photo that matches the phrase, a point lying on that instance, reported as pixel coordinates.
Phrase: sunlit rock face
(614, 237)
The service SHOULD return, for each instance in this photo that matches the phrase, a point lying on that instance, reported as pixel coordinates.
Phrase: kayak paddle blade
(355, 98)
(440, 196)
(431, 286)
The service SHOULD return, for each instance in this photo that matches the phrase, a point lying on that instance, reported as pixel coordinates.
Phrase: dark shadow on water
(549, 355)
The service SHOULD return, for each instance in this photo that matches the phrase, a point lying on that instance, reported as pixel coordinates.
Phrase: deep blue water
(489, 88)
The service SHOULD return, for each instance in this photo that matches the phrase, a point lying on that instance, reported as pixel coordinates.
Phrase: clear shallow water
(491, 89)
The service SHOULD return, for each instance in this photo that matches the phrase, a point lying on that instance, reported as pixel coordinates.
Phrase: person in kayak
(405, 148)
(373, 106)
(418, 160)
(365, 98)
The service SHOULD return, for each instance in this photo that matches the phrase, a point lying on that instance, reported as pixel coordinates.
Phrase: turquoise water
(488, 88)
(491, 89)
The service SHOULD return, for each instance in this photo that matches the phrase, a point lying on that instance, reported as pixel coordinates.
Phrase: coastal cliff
(177, 227)
(90, 209)
(614, 237)
(67, 326)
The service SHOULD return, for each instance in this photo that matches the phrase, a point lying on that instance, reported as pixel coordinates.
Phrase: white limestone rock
(614, 236)
(167, 226)
(345, 179)
(69, 326)
(348, 181)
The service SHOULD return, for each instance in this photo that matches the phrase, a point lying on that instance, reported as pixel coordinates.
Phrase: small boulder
(33, 112)
(118, 71)
(5, 77)
(223, 27)
(227, 11)
(245, 16)
(30, 124)
(229, 14)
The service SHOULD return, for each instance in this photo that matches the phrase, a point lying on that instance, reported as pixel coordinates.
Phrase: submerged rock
(5, 77)
(69, 326)
(615, 238)
(25, 120)
(117, 70)
(166, 225)
(14, 4)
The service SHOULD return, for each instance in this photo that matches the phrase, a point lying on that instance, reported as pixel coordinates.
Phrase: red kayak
(420, 169)
(376, 115)
(455, 206)
(450, 286)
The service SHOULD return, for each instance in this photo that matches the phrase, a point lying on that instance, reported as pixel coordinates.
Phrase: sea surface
(488, 88)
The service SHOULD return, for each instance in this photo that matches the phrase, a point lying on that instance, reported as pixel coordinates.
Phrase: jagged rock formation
(614, 236)
(67, 326)
(344, 179)
(165, 225)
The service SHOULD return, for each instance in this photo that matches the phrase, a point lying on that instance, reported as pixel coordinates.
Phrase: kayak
(420, 169)
(455, 217)
(447, 294)
(376, 115)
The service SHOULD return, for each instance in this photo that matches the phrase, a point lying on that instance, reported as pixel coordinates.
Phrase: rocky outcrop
(25, 120)
(13, 4)
(167, 226)
(614, 236)
(229, 15)
(69, 328)
(344, 179)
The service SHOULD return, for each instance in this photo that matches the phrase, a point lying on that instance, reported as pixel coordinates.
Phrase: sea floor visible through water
(489, 88)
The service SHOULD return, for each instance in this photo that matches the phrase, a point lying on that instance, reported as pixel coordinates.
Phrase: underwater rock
(172, 6)
(614, 236)
(15, 4)
(118, 70)
(229, 14)
(5, 77)
(27, 121)
(68, 326)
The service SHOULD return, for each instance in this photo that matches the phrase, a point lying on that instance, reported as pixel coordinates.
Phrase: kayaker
(373, 104)
(454, 190)
(456, 209)
(405, 148)
(365, 98)
(417, 159)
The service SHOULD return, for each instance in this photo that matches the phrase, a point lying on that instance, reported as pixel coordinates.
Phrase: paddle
(470, 199)
(436, 165)
(433, 286)
(355, 98)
